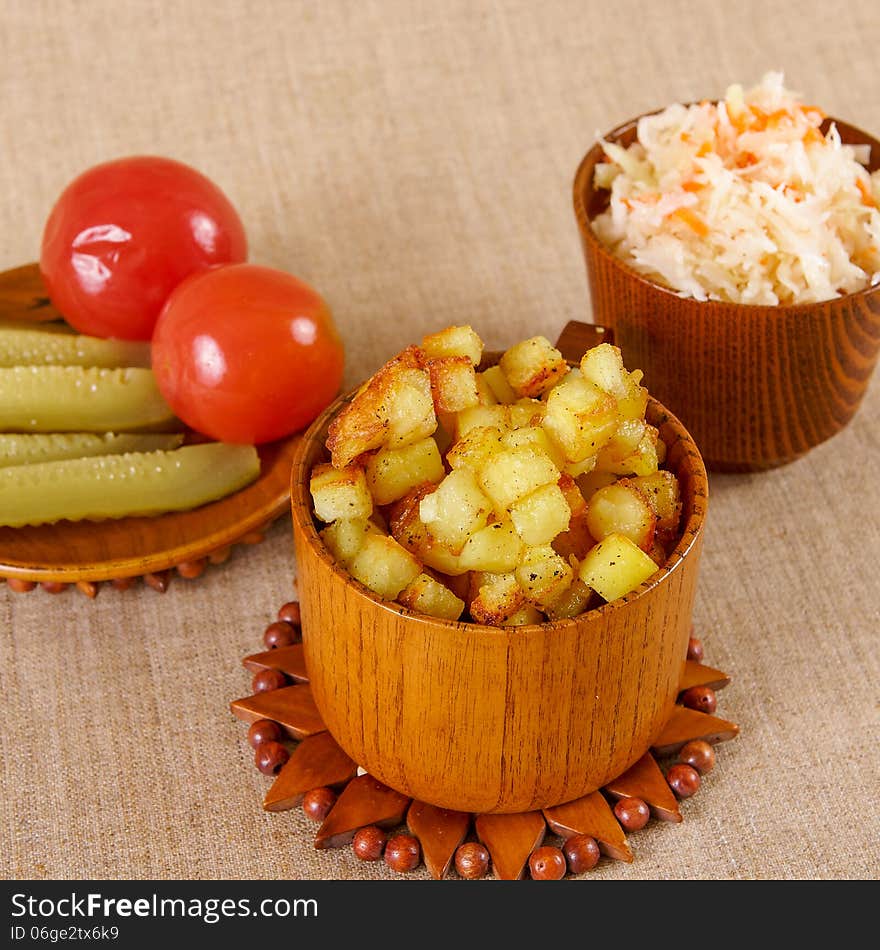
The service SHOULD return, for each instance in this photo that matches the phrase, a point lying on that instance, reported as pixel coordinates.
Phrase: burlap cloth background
(414, 162)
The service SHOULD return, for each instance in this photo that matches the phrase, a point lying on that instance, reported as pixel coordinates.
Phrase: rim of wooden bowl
(303, 521)
(583, 189)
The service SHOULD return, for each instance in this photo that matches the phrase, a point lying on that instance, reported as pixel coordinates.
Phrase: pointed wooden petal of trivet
(685, 724)
(440, 832)
(364, 801)
(510, 840)
(590, 815)
(289, 660)
(695, 674)
(292, 707)
(645, 780)
(316, 761)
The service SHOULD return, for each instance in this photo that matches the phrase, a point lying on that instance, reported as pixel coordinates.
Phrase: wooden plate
(94, 551)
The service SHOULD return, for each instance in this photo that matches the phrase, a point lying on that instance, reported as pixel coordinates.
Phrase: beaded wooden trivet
(292, 744)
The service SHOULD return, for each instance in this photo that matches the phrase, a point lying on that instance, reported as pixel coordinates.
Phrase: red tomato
(124, 234)
(245, 353)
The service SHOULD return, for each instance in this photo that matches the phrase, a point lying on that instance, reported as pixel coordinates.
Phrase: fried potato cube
(455, 509)
(527, 412)
(496, 548)
(453, 383)
(411, 415)
(526, 615)
(603, 365)
(485, 395)
(580, 417)
(497, 597)
(532, 366)
(514, 473)
(454, 341)
(577, 540)
(408, 529)
(478, 417)
(473, 449)
(363, 425)
(577, 504)
(344, 537)
(391, 473)
(427, 595)
(572, 602)
(543, 575)
(497, 383)
(663, 494)
(541, 515)
(340, 493)
(533, 436)
(592, 481)
(615, 567)
(384, 566)
(631, 450)
(621, 509)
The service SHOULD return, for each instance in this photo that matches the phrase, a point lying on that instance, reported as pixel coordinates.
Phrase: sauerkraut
(744, 200)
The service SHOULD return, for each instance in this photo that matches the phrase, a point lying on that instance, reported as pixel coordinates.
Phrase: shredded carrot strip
(704, 149)
(813, 135)
(692, 186)
(692, 220)
(867, 197)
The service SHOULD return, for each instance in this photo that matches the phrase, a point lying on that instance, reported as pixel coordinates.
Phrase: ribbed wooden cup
(757, 386)
(487, 719)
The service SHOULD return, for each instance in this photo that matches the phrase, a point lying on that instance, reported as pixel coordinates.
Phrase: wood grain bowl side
(757, 386)
(487, 719)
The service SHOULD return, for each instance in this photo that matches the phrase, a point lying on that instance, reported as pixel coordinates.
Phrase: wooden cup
(488, 719)
(757, 386)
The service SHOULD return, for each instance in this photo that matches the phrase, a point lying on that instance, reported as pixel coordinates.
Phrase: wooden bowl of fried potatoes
(447, 683)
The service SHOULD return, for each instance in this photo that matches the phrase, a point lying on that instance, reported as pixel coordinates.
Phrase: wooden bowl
(757, 386)
(489, 719)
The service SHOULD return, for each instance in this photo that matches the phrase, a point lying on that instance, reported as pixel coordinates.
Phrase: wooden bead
(582, 853)
(264, 730)
(191, 569)
(369, 843)
(267, 680)
(289, 612)
(695, 649)
(402, 853)
(472, 860)
(701, 698)
(123, 583)
(684, 780)
(53, 587)
(317, 802)
(220, 556)
(19, 586)
(158, 580)
(89, 588)
(547, 864)
(270, 756)
(699, 755)
(632, 813)
(280, 634)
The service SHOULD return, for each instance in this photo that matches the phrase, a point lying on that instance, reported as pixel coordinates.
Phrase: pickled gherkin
(118, 486)
(24, 448)
(54, 344)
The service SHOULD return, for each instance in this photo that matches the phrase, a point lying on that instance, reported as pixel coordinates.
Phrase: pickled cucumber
(28, 448)
(56, 344)
(80, 399)
(117, 486)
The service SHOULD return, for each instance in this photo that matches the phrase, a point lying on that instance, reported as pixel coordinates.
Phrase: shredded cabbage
(743, 200)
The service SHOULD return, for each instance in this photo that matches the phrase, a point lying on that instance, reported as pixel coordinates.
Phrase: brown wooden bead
(684, 780)
(317, 802)
(191, 569)
(547, 864)
(159, 580)
(699, 755)
(369, 843)
(264, 730)
(695, 649)
(123, 583)
(701, 698)
(53, 587)
(403, 853)
(472, 860)
(220, 556)
(19, 586)
(582, 853)
(252, 537)
(89, 588)
(270, 756)
(267, 680)
(632, 813)
(289, 612)
(280, 634)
